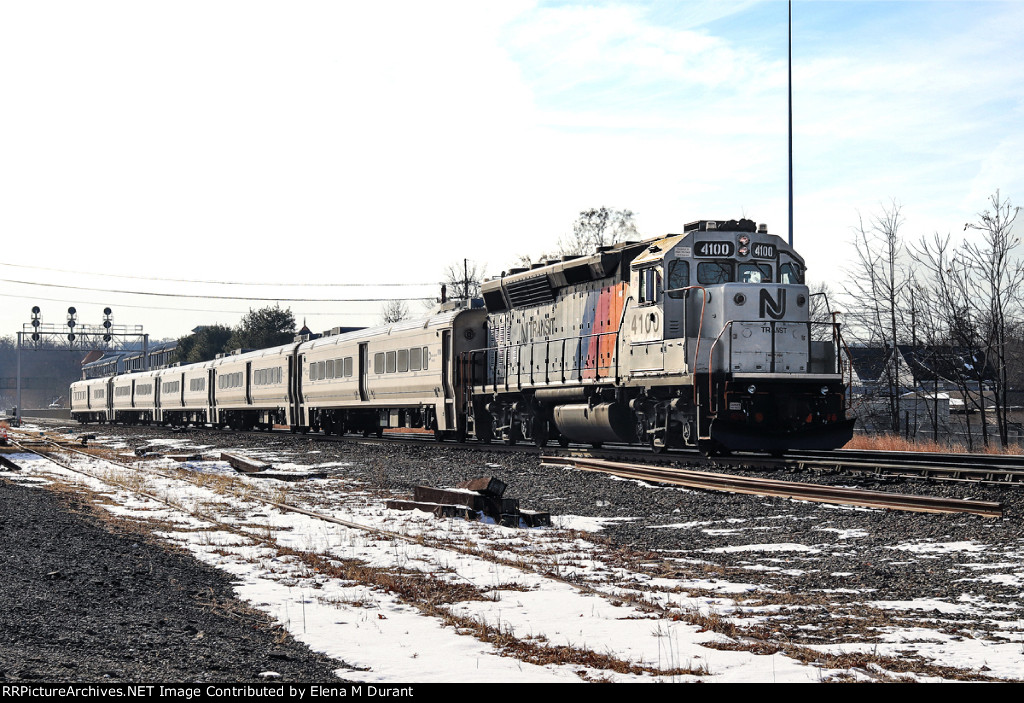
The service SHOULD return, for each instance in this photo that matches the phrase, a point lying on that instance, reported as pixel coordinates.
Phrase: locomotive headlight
(824, 390)
(739, 299)
(800, 300)
(751, 389)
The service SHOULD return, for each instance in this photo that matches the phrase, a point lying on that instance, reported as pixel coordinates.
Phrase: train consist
(700, 339)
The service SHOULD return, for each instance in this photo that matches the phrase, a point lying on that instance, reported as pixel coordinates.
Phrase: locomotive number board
(762, 251)
(713, 249)
(727, 249)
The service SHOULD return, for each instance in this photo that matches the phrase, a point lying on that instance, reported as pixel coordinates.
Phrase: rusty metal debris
(471, 500)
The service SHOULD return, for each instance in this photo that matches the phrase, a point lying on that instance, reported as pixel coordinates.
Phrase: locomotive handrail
(700, 328)
(491, 354)
(837, 335)
(711, 358)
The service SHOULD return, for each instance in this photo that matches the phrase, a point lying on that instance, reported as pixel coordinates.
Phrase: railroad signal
(108, 322)
(36, 321)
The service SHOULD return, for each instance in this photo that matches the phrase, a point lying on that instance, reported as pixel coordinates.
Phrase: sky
(310, 149)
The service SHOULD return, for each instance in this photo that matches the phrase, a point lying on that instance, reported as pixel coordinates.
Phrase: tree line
(258, 329)
(958, 301)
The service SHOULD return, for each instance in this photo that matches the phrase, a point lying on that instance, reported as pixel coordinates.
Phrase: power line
(213, 297)
(226, 283)
(179, 309)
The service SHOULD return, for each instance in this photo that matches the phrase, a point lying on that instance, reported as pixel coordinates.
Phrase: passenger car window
(391, 362)
(403, 360)
(378, 362)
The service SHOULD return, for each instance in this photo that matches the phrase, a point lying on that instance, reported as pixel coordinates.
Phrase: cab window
(650, 283)
(709, 272)
(678, 277)
(791, 273)
(756, 272)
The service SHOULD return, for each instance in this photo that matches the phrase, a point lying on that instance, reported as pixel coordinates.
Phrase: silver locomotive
(700, 339)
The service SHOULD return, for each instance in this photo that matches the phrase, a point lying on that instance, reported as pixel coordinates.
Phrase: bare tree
(394, 311)
(462, 280)
(996, 285)
(598, 227)
(876, 294)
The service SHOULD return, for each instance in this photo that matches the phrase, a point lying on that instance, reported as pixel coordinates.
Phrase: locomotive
(702, 339)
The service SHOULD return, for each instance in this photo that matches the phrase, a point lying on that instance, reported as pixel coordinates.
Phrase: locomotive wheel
(540, 432)
(656, 447)
(512, 436)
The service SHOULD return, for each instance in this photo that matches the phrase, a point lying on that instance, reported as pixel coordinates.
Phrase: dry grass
(895, 443)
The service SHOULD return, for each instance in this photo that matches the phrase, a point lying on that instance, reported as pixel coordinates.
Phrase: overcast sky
(337, 143)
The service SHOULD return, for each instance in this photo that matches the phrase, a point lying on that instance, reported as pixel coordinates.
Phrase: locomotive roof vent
(743, 225)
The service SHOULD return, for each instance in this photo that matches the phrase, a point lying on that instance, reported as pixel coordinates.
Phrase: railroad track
(1006, 470)
(977, 468)
(784, 489)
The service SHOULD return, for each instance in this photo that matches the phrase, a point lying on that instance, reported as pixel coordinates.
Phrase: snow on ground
(542, 587)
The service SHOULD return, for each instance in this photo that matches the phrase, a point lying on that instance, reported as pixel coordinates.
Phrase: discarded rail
(782, 489)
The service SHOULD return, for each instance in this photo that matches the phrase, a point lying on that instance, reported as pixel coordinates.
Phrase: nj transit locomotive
(699, 339)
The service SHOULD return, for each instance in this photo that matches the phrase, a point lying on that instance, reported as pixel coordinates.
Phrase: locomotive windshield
(709, 272)
(755, 273)
(791, 273)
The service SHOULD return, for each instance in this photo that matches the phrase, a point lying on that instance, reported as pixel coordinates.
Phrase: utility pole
(791, 123)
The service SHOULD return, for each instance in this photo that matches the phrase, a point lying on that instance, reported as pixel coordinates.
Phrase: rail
(783, 489)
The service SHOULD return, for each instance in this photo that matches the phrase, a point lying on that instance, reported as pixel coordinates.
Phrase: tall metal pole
(17, 411)
(790, 122)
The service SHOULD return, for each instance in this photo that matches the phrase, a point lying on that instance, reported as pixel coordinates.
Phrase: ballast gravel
(828, 559)
(85, 600)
